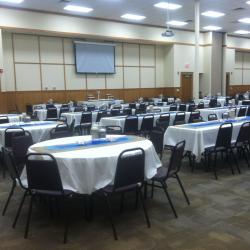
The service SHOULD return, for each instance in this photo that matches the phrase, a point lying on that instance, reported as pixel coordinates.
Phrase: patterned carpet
(218, 218)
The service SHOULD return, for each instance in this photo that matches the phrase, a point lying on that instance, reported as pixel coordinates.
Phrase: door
(227, 83)
(186, 86)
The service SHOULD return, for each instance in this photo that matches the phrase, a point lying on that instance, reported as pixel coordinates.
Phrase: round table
(86, 166)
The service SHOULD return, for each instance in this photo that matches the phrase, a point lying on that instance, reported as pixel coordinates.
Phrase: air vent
(189, 21)
(238, 9)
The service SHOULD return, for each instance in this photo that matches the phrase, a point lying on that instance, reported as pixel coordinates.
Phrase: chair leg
(144, 208)
(182, 188)
(19, 209)
(214, 166)
(28, 218)
(169, 199)
(9, 197)
(122, 202)
(235, 160)
(66, 228)
(136, 198)
(145, 190)
(245, 155)
(229, 162)
(110, 214)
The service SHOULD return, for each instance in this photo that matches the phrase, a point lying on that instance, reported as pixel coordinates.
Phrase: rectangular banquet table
(198, 136)
(87, 165)
(39, 130)
(120, 120)
(13, 117)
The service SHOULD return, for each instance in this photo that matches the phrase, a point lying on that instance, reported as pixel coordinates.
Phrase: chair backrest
(115, 112)
(173, 107)
(51, 113)
(142, 106)
(159, 103)
(10, 133)
(86, 117)
(99, 116)
(20, 145)
(130, 168)
(156, 137)
(191, 107)
(244, 133)
(4, 119)
(91, 108)
(48, 106)
(224, 135)
(179, 118)
(64, 110)
(127, 111)
(140, 111)
(131, 124)
(213, 103)
(29, 109)
(132, 105)
(78, 109)
(194, 117)
(212, 117)
(201, 105)
(248, 110)
(60, 131)
(113, 130)
(165, 117)
(242, 111)
(182, 107)
(65, 105)
(72, 126)
(43, 174)
(147, 123)
(176, 159)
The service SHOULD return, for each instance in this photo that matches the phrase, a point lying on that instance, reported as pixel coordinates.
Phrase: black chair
(85, 123)
(131, 125)
(201, 105)
(10, 133)
(213, 103)
(179, 118)
(171, 171)
(60, 131)
(65, 105)
(182, 107)
(142, 106)
(72, 127)
(246, 102)
(163, 121)
(132, 105)
(4, 119)
(14, 173)
(78, 109)
(113, 130)
(29, 109)
(115, 112)
(173, 107)
(222, 145)
(212, 117)
(140, 111)
(44, 179)
(129, 176)
(20, 145)
(242, 141)
(194, 117)
(147, 125)
(191, 107)
(160, 104)
(242, 111)
(52, 114)
(156, 110)
(48, 106)
(248, 111)
(127, 111)
(99, 116)
(63, 110)
(156, 136)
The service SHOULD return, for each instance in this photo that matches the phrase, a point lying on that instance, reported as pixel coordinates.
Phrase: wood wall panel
(8, 100)
(234, 89)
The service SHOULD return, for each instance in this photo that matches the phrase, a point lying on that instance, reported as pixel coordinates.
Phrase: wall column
(196, 82)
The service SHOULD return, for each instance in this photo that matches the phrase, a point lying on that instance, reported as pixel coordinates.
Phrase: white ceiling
(113, 9)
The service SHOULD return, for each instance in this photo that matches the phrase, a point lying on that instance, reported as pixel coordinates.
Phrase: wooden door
(227, 83)
(186, 86)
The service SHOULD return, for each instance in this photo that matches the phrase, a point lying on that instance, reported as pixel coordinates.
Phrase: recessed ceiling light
(11, 1)
(166, 5)
(245, 20)
(212, 28)
(212, 13)
(177, 23)
(77, 8)
(242, 32)
(133, 17)
(248, 2)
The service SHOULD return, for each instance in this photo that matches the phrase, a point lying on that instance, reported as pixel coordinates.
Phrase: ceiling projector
(168, 33)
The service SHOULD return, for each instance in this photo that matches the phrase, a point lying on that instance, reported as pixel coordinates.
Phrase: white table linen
(88, 169)
(12, 117)
(101, 102)
(77, 116)
(40, 131)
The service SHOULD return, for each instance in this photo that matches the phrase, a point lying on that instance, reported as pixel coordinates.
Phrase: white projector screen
(95, 58)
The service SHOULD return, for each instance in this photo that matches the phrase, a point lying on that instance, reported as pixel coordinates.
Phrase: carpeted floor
(218, 218)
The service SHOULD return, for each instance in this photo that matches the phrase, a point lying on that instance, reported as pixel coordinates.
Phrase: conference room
(124, 124)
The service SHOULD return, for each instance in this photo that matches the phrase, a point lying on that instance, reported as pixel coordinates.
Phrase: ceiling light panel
(77, 8)
(213, 14)
(177, 23)
(167, 5)
(245, 20)
(212, 28)
(11, 1)
(133, 17)
(242, 32)
(248, 2)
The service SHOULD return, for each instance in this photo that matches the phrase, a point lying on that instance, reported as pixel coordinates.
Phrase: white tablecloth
(42, 113)
(120, 120)
(221, 100)
(77, 116)
(198, 138)
(88, 169)
(12, 117)
(40, 131)
(101, 102)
